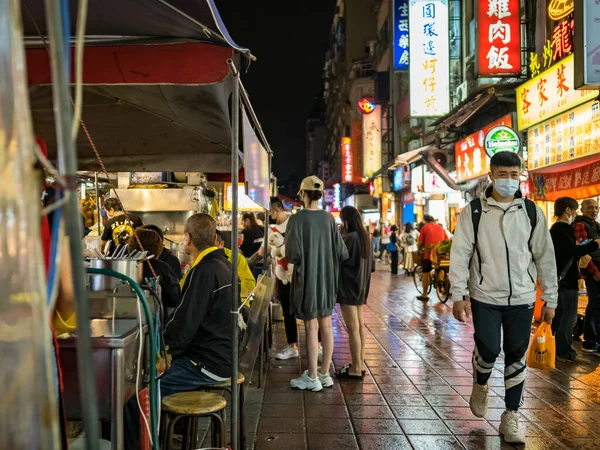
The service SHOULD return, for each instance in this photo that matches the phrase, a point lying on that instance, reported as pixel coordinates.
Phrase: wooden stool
(226, 386)
(191, 406)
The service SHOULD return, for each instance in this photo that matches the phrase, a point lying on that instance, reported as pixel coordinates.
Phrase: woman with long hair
(353, 287)
(409, 239)
(314, 246)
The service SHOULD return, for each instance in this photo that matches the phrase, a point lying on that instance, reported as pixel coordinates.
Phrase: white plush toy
(283, 270)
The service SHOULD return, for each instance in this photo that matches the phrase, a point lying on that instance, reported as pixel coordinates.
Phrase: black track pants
(515, 323)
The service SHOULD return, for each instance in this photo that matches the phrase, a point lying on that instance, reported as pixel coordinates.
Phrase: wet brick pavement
(417, 389)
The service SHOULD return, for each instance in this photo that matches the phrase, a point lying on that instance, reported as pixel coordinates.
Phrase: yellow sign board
(550, 93)
(570, 135)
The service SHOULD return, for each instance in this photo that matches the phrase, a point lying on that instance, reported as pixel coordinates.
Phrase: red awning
(580, 180)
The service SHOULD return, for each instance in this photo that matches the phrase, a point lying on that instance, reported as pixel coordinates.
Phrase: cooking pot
(128, 267)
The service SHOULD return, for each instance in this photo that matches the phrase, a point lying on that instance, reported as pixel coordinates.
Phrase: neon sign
(401, 34)
(337, 197)
(347, 160)
(499, 37)
(366, 106)
(559, 9)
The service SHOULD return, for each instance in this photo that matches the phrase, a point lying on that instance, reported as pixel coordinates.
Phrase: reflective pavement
(417, 388)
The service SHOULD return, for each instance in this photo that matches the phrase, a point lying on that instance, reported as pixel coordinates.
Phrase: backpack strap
(476, 211)
(532, 214)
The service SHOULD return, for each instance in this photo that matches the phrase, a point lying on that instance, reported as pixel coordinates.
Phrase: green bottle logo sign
(501, 139)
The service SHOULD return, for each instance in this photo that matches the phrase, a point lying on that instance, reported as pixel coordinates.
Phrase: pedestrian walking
(501, 245)
(409, 239)
(393, 250)
(586, 227)
(315, 247)
(353, 288)
(430, 234)
(567, 254)
(376, 239)
(385, 240)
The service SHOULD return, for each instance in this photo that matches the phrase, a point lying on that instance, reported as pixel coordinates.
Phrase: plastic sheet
(28, 411)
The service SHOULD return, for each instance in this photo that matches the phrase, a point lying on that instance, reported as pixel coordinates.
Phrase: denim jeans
(564, 322)
(376, 242)
(182, 376)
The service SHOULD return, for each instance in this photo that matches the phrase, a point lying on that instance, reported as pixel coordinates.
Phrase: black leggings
(289, 320)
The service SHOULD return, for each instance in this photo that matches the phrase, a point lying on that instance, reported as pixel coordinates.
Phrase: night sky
(289, 40)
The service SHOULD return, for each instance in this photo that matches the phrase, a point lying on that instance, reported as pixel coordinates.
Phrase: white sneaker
(479, 399)
(510, 429)
(307, 383)
(288, 353)
(325, 379)
(320, 357)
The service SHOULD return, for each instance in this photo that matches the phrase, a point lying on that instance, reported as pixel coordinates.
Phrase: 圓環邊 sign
(499, 37)
(501, 139)
(549, 94)
(581, 182)
(571, 135)
(469, 153)
(429, 58)
(372, 142)
(401, 44)
(347, 175)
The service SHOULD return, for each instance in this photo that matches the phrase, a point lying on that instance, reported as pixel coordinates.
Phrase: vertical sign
(256, 166)
(429, 59)
(499, 39)
(357, 150)
(587, 45)
(372, 142)
(401, 34)
(347, 175)
(337, 197)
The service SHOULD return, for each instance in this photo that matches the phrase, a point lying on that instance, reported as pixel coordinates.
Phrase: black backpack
(476, 209)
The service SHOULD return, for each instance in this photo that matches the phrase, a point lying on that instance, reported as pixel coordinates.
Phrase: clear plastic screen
(28, 410)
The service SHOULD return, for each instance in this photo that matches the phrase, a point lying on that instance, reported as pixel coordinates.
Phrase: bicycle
(439, 276)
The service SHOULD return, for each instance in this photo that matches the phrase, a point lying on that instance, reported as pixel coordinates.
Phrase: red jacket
(581, 235)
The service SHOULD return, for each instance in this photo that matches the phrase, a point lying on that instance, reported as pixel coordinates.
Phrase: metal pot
(101, 283)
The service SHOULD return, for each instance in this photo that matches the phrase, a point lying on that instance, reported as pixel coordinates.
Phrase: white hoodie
(507, 272)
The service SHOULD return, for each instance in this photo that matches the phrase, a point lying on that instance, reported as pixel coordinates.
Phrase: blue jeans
(376, 242)
(182, 376)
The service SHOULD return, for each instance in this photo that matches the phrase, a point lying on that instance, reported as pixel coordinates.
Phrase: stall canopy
(156, 84)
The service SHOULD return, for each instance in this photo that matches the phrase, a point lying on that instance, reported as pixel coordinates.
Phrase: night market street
(417, 388)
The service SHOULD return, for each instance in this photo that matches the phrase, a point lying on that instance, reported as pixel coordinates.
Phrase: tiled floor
(417, 389)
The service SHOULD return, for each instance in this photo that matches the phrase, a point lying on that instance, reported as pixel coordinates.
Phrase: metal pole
(67, 166)
(98, 202)
(266, 238)
(235, 303)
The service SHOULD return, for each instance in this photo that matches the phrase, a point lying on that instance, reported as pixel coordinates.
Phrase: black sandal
(344, 373)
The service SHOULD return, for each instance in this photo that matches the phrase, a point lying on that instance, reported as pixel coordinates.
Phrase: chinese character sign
(337, 197)
(549, 94)
(429, 58)
(372, 142)
(581, 182)
(347, 175)
(401, 34)
(357, 150)
(568, 136)
(469, 153)
(499, 39)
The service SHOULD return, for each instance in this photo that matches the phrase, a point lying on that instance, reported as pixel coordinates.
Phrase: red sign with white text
(499, 39)
(347, 174)
(581, 182)
(469, 153)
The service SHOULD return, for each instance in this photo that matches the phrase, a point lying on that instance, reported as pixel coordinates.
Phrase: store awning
(156, 85)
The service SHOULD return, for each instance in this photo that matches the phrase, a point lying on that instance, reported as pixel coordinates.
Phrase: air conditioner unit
(461, 92)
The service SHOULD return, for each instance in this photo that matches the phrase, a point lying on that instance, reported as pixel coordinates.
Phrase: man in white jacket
(493, 276)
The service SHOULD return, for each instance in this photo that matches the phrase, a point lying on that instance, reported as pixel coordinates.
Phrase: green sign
(501, 139)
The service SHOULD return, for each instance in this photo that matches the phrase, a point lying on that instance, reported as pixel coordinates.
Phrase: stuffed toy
(283, 270)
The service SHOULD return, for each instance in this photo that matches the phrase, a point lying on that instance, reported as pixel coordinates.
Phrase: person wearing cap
(314, 245)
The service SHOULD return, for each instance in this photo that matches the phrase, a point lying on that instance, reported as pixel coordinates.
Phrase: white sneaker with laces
(479, 399)
(306, 383)
(288, 353)
(510, 428)
(325, 379)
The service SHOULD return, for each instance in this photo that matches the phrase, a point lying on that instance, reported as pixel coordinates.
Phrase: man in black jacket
(198, 334)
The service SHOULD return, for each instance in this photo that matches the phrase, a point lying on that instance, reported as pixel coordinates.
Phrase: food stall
(155, 95)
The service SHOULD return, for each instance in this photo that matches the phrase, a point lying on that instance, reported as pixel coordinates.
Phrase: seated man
(198, 334)
(167, 255)
(244, 272)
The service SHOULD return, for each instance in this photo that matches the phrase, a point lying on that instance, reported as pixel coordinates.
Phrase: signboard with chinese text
(399, 179)
(337, 197)
(401, 35)
(587, 53)
(256, 166)
(357, 150)
(377, 187)
(469, 153)
(549, 94)
(347, 175)
(372, 142)
(429, 58)
(499, 37)
(428, 182)
(570, 135)
(581, 182)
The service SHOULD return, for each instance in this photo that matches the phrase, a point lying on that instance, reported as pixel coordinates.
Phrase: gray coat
(316, 248)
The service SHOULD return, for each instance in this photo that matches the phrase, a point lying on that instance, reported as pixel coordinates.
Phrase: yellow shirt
(244, 273)
(202, 254)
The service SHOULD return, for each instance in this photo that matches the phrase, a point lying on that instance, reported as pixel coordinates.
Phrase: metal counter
(115, 346)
